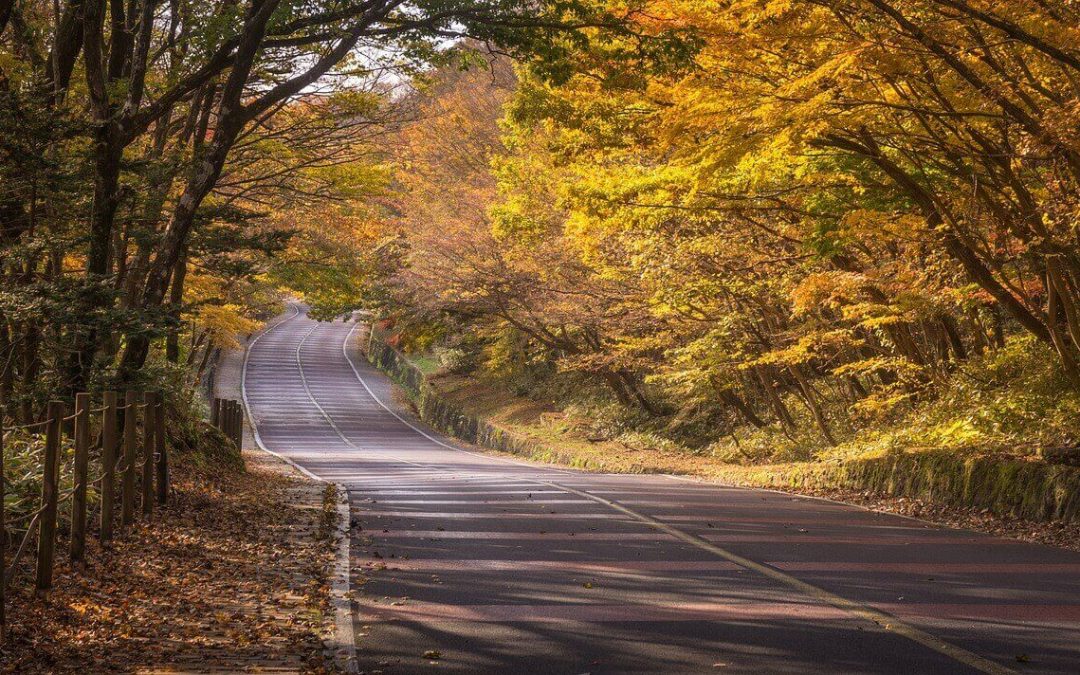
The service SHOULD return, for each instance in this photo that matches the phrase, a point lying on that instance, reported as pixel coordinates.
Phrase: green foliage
(1014, 400)
(23, 472)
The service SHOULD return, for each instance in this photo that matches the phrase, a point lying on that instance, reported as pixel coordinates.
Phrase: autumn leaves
(816, 219)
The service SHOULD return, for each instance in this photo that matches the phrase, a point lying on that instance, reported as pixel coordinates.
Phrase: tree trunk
(7, 369)
(231, 119)
(95, 293)
(952, 333)
(1056, 278)
(812, 403)
(1064, 350)
(5, 13)
(30, 366)
(204, 361)
(108, 151)
(173, 240)
(630, 382)
(777, 403)
(176, 299)
(739, 404)
(857, 388)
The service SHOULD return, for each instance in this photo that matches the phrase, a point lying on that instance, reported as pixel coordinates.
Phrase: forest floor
(231, 576)
(543, 423)
(234, 575)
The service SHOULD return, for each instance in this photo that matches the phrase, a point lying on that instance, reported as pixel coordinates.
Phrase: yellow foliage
(225, 322)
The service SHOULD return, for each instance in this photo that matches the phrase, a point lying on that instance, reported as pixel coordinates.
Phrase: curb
(344, 635)
(344, 639)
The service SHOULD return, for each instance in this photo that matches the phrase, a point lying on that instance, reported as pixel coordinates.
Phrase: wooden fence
(121, 442)
(228, 416)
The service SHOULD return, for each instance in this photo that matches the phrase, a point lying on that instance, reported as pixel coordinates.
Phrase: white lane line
(303, 379)
(247, 403)
(348, 358)
(307, 389)
(888, 622)
(344, 634)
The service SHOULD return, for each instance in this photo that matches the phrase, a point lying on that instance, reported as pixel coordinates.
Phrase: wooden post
(82, 460)
(230, 420)
(131, 416)
(110, 442)
(49, 497)
(3, 530)
(161, 452)
(148, 454)
(215, 412)
(239, 437)
(231, 429)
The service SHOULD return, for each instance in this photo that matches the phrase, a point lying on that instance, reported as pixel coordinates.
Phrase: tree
(832, 204)
(131, 126)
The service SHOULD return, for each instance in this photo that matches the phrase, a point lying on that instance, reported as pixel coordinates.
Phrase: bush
(24, 456)
(206, 446)
(457, 360)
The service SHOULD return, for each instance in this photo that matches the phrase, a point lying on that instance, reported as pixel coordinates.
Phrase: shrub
(457, 360)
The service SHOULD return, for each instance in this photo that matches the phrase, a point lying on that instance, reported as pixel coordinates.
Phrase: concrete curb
(344, 639)
(344, 635)
(1007, 488)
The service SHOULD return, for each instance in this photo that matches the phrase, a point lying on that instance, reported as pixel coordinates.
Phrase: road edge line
(344, 649)
(356, 372)
(888, 622)
(345, 636)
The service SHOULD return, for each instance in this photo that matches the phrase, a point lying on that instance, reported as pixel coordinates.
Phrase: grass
(427, 363)
(977, 442)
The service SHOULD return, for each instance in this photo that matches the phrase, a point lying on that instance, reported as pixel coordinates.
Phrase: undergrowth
(1014, 401)
(200, 446)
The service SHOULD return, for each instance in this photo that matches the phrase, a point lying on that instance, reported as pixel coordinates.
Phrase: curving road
(489, 565)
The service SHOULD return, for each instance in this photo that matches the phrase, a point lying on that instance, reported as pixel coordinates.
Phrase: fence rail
(121, 452)
(228, 415)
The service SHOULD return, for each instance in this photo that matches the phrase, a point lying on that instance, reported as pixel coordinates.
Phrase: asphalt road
(499, 566)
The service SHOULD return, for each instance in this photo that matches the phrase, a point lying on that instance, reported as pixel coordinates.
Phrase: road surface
(471, 563)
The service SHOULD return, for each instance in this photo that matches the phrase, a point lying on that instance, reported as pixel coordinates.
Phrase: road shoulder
(337, 630)
(234, 575)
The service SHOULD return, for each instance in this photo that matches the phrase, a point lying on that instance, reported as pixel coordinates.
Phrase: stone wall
(1035, 490)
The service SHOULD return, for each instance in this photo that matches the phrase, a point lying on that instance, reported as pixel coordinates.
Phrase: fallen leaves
(1061, 534)
(231, 575)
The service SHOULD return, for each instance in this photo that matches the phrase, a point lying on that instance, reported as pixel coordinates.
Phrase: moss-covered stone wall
(1035, 490)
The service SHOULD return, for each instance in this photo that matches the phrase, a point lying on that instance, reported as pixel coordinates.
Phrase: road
(494, 565)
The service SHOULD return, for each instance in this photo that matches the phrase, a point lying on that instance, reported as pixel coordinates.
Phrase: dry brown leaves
(232, 576)
(1063, 535)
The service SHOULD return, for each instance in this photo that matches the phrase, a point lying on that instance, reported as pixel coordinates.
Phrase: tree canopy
(763, 214)
(148, 147)
(826, 205)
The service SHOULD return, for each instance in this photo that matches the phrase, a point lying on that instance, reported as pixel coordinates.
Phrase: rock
(1068, 455)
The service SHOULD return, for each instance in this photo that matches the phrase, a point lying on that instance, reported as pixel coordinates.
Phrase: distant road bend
(471, 563)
